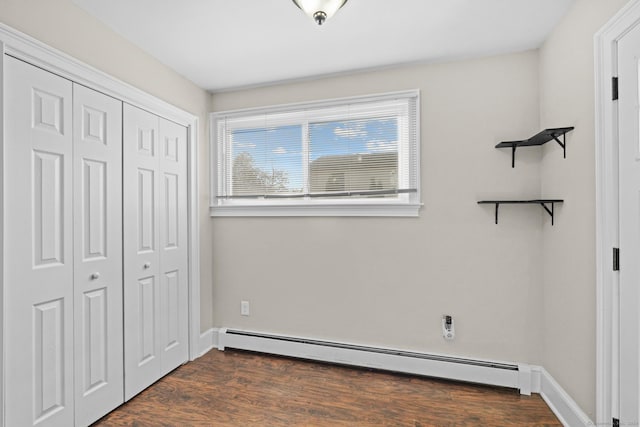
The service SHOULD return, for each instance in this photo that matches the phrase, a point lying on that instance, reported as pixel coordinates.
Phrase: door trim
(2, 311)
(607, 227)
(28, 49)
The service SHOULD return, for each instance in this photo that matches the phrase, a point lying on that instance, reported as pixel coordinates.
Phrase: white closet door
(155, 248)
(141, 256)
(174, 330)
(97, 164)
(38, 243)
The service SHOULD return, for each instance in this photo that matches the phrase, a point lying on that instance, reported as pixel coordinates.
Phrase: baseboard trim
(439, 366)
(558, 400)
(208, 340)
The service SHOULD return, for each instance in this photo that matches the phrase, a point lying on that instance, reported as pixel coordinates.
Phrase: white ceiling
(224, 44)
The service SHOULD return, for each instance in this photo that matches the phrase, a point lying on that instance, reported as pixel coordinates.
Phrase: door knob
(95, 276)
(147, 265)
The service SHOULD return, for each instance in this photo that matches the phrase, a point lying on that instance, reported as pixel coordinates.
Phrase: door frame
(28, 49)
(607, 209)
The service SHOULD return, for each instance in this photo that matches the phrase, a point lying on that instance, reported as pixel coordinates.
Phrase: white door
(155, 248)
(38, 247)
(141, 256)
(174, 295)
(97, 170)
(629, 184)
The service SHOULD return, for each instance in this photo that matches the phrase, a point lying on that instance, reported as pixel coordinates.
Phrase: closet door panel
(155, 248)
(38, 247)
(173, 245)
(141, 255)
(97, 140)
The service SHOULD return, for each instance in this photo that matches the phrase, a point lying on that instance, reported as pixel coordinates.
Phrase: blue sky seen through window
(281, 148)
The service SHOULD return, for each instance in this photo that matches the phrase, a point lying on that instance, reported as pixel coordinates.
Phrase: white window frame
(404, 205)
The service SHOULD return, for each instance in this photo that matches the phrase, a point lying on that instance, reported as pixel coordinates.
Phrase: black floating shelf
(541, 202)
(538, 139)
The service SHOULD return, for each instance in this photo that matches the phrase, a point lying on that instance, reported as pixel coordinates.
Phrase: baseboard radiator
(439, 366)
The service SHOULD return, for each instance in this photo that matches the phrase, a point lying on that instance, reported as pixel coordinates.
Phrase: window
(351, 157)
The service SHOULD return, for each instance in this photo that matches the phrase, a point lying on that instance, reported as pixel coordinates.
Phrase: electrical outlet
(448, 329)
(244, 308)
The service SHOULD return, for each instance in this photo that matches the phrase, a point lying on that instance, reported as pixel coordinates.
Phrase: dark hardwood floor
(234, 388)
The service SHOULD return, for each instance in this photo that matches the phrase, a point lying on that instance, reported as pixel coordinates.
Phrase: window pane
(354, 156)
(267, 161)
(350, 156)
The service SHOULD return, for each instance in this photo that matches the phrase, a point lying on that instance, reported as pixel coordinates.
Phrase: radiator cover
(432, 365)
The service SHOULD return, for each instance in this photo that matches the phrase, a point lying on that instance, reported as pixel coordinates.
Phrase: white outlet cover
(244, 308)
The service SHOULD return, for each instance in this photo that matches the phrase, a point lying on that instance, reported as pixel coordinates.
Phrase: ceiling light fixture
(320, 10)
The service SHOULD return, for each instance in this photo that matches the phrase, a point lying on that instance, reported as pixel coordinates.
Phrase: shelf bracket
(562, 143)
(549, 211)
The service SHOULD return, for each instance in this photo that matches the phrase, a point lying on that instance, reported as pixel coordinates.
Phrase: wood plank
(235, 388)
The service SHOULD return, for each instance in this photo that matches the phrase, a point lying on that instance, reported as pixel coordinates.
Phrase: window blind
(349, 150)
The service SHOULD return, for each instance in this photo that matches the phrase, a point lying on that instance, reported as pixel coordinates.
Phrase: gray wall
(63, 25)
(387, 281)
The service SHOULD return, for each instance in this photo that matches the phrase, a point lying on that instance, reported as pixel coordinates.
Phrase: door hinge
(614, 88)
(616, 259)
(616, 423)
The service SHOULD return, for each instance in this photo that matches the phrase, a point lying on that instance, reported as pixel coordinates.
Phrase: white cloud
(382, 146)
(244, 145)
(280, 150)
(351, 131)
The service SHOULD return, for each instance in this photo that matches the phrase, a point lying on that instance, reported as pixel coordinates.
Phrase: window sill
(361, 210)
